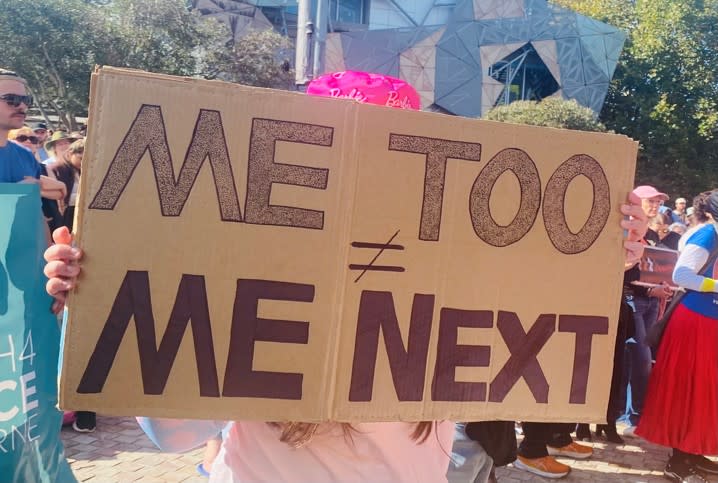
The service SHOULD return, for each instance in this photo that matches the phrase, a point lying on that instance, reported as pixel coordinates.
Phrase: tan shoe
(547, 466)
(573, 450)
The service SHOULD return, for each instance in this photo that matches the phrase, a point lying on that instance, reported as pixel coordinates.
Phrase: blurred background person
(51, 206)
(645, 302)
(57, 145)
(697, 216)
(68, 171)
(681, 410)
(661, 224)
(25, 136)
(42, 132)
(678, 215)
(679, 228)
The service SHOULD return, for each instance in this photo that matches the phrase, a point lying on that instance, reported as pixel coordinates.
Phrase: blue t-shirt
(705, 303)
(16, 162)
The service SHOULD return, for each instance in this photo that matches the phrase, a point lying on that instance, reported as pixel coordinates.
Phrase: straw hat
(59, 136)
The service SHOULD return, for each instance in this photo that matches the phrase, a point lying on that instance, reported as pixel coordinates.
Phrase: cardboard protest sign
(657, 266)
(254, 254)
(30, 445)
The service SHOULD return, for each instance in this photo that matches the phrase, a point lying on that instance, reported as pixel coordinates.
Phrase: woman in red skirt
(681, 407)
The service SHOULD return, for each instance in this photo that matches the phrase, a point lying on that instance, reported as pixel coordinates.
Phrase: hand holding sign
(62, 267)
(636, 225)
(662, 291)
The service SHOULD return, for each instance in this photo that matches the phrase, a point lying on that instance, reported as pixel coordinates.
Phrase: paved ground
(120, 452)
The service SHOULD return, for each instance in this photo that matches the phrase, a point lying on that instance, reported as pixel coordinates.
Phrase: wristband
(708, 285)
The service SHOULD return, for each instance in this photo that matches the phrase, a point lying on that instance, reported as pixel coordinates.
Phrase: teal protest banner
(30, 445)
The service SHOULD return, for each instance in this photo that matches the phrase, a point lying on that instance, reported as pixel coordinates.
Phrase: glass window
(347, 11)
(525, 76)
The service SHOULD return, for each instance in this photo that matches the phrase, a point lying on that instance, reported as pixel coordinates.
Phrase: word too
(148, 134)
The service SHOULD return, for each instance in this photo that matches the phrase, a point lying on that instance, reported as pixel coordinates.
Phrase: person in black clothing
(68, 171)
(543, 441)
(660, 225)
(646, 303)
(50, 208)
(617, 393)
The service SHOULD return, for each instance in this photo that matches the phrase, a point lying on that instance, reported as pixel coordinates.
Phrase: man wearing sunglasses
(17, 164)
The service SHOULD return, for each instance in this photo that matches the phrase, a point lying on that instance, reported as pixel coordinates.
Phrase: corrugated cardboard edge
(94, 115)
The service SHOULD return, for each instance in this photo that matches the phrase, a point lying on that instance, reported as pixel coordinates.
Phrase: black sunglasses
(14, 100)
(22, 138)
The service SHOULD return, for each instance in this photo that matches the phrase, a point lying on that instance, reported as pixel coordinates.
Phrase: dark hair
(712, 204)
(661, 219)
(700, 206)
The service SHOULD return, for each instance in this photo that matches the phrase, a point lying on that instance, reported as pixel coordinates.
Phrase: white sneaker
(630, 432)
(572, 450)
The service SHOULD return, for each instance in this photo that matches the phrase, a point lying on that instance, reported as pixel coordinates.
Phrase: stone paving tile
(119, 452)
(636, 461)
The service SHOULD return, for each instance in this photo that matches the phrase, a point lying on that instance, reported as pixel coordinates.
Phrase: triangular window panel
(524, 75)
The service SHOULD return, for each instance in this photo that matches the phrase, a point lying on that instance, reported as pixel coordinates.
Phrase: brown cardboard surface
(364, 263)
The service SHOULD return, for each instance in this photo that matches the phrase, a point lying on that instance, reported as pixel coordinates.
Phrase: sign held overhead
(256, 254)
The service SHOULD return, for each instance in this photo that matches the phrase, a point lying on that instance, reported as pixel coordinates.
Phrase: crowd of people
(59, 156)
(34, 153)
(670, 384)
(671, 397)
(666, 394)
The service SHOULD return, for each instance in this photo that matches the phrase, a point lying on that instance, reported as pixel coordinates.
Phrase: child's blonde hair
(299, 434)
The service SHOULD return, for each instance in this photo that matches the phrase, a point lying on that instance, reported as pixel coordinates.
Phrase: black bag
(654, 334)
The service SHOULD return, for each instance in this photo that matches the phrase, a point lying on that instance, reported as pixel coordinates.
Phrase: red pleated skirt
(681, 405)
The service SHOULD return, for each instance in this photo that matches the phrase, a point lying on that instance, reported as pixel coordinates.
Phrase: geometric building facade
(463, 56)
(490, 52)
(239, 16)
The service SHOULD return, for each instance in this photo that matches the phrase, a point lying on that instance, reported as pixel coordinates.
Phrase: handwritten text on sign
(470, 214)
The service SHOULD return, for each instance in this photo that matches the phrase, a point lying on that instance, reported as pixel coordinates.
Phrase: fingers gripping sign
(636, 224)
(62, 267)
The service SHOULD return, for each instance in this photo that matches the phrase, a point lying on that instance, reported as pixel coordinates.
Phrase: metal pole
(507, 89)
(305, 29)
(320, 38)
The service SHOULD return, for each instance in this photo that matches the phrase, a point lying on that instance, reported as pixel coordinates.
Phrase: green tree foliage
(56, 44)
(161, 36)
(44, 42)
(262, 59)
(665, 90)
(550, 112)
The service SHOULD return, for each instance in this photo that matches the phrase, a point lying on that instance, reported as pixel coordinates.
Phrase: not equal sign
(376, 246)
